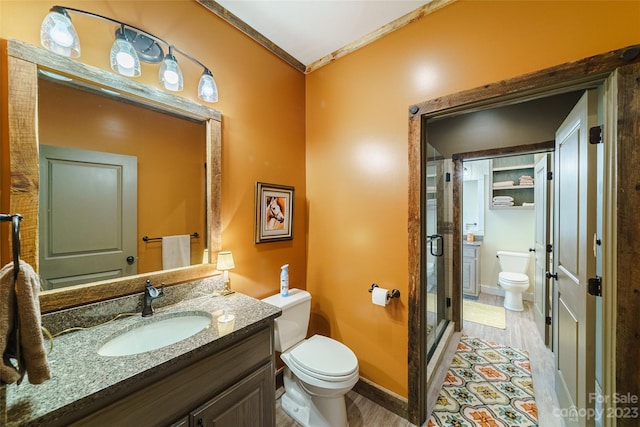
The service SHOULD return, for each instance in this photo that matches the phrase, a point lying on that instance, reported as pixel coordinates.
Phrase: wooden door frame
(559, 79)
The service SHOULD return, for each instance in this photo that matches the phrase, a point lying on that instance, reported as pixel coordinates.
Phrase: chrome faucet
(150, 293)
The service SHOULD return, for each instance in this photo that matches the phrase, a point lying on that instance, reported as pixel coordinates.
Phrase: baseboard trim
(383, 397)
(493, 290)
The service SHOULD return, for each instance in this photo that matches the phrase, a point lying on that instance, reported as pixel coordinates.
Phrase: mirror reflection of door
(92, 240)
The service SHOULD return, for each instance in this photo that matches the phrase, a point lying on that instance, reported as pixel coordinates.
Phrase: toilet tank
(514, 262)
(291, 326)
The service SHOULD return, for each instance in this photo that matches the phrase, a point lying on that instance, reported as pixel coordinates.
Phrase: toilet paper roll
(379, 296)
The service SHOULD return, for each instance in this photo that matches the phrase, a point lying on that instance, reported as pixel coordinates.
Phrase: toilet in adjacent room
(318, 372)
(513, 278)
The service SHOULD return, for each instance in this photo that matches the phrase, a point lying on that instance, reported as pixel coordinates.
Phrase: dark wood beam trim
(627, 378)
(417, 352)
(252, 33)
(584, 72)
(540, 147)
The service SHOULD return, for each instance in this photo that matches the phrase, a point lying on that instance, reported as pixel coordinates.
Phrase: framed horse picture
(274, 212)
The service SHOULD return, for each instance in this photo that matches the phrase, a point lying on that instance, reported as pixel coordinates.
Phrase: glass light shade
(58, 34)
(225, 261)
(170, 74)
(207, 88)
(124, 59)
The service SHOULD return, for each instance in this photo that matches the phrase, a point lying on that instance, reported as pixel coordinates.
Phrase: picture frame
(274, 212)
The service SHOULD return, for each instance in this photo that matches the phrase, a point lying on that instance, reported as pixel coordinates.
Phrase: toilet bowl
(513, 278)
(318, 371)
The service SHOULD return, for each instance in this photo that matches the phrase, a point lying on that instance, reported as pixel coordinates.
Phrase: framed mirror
(473, 202)
(25, 84)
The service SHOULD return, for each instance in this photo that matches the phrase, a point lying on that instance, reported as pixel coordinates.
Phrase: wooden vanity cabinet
(241, 405)
(234, 386)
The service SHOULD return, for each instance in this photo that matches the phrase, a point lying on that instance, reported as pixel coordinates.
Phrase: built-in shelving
(505, 169)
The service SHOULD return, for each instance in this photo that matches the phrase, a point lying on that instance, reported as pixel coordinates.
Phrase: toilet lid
(514, 277)
(325, 357)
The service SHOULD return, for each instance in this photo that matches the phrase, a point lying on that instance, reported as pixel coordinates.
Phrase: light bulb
(58, 34)
(207, 88)
(124, 59)
(170, 74)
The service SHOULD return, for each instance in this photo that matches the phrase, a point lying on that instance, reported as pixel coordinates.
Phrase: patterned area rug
(487, 385)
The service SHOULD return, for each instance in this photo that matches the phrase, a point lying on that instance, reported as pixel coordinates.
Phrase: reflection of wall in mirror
(171, 159)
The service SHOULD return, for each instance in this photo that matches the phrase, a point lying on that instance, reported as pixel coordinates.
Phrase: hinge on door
(595, 286)
(549, 248)
(447, 177)
(547, 320)
(448, 302)
(595, 135)
(549, 176)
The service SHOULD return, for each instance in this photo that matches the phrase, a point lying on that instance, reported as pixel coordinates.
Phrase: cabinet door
(249, 403)
(469, 276)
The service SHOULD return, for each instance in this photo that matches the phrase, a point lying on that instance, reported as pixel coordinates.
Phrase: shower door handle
(439, 247)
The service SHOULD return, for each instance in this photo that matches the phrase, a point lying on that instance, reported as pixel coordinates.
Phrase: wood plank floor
(361, 412)
(520, 333)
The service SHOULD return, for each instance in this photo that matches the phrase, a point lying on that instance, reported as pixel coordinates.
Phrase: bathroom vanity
(207, 379)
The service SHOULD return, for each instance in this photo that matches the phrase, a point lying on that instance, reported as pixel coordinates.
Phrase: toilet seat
(513, 278)
(325, 359)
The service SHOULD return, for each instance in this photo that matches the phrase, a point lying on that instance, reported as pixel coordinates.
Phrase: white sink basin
(156, 333)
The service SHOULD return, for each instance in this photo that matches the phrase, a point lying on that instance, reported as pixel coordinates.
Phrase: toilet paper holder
(394, 292)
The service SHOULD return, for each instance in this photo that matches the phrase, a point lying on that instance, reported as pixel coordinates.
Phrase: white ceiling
(310, 30)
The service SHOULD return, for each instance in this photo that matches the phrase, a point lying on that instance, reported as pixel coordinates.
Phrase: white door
(541, 306)
(88, 216)
(574, 212)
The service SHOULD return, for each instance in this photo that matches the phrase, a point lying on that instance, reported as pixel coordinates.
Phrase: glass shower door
(433, 247)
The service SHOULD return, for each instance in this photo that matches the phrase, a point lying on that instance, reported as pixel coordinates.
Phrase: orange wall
(357, 132)
(262, 106)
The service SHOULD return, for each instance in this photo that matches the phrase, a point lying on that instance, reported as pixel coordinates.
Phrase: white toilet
(318, 371)
(513, 278)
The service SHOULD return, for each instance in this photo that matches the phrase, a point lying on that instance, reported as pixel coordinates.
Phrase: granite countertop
(81, 376)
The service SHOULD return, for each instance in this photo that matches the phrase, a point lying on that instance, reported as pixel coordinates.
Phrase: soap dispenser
(284, 280)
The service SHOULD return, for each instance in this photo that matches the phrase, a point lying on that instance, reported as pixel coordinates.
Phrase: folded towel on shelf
(528, 204)
(20, 327)
(503, 184)
(502, 203)
(526, 180)
(176, 251)
(502, 199)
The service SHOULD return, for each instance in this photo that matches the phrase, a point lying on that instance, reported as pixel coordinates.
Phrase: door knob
(130, 260)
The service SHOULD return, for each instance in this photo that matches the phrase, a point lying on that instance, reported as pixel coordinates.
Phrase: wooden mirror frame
(20, 175)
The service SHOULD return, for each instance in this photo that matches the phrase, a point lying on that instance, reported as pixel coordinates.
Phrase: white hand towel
(176, 251)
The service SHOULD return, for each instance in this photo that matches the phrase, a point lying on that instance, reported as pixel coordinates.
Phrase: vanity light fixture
(131, 45)
(225, 263)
